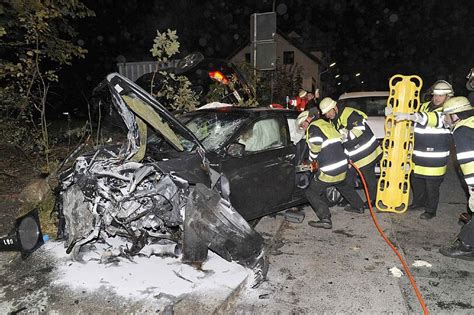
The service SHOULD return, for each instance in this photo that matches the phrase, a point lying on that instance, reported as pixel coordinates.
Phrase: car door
(263, 177)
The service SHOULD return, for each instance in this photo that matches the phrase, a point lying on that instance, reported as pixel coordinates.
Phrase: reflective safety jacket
(463, 135)
(325, 147)
(361, 144)
(432, 143)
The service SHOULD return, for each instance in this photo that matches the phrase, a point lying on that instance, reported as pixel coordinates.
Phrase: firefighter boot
(323, 223)
(350, 208)
(458, 250)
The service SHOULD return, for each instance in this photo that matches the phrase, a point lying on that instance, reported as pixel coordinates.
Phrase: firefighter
(302, 122)
(325, 145)
(301, 100)
(431, 151)
(466, 216)
(459, 115)
(358, 139)
(311, 100)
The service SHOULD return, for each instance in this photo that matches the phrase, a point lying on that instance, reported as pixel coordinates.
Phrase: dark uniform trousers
(370, 178)
(368, 172)
(426, 192)
(314, 194)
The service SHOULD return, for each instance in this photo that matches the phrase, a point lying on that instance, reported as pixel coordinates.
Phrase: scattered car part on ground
(25, 237)
(211, 222)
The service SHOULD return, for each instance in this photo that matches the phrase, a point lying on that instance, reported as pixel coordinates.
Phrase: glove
(406, 116)
(344, 134)
(388, 111)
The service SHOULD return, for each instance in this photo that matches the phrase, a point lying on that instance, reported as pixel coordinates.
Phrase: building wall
(310, 67)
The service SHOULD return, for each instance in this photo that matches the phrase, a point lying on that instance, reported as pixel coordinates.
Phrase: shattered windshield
(213, 129)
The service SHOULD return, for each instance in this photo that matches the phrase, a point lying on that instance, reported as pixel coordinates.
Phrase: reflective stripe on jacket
(432, 143)
(463, 135)
(325, 147)
(361, 145)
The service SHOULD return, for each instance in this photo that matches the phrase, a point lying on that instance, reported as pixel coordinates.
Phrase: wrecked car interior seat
(264, 134)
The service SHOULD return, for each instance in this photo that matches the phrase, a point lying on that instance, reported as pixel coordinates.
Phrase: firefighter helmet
(302, 118)
(442, 87)
(302, 93)
(456, 105)
(326, 105)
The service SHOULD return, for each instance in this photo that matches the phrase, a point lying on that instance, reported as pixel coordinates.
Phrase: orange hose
(405, 266)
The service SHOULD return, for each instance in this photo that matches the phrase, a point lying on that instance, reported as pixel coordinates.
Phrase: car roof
(364, 94)
(255, 110)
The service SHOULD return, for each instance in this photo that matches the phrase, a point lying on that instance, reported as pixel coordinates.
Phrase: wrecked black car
(202, 73)
(254, 148)
(195, 181)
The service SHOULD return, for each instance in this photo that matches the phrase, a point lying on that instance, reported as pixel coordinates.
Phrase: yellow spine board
(394, 183)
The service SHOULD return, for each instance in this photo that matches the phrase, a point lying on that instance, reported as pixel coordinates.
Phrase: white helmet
(326, 105)
(456, 105)
(302, 93)
(442, 87)
(302, 118)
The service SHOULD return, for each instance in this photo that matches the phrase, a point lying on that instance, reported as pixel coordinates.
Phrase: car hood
(138, 110)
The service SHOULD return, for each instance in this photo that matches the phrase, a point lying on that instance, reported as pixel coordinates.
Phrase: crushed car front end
(115, 192)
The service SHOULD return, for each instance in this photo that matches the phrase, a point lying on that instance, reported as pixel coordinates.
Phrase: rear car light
(219, 77)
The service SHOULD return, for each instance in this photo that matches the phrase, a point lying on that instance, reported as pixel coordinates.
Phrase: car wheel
(189, 62)
(332, 196)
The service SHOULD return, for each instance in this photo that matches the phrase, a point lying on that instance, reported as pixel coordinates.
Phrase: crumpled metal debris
(212, 223)
(103, 198)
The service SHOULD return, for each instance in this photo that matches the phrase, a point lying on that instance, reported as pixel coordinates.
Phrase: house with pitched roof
(289, 53)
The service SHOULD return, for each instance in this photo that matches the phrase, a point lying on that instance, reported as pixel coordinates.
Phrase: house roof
(289, 39)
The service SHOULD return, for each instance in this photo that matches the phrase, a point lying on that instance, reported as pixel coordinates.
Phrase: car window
(296, 134)
(263, 135)
(372, 106)
(213, 129)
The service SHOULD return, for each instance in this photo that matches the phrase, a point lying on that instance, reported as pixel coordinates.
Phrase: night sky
(430, 38)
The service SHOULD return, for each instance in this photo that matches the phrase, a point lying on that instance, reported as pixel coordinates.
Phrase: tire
(189, 62)
(332, 196)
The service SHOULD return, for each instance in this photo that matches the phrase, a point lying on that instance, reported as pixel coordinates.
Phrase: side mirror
(25, 237)
(236, 149)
